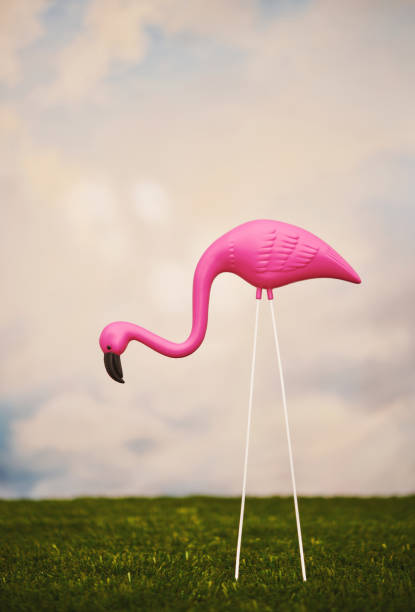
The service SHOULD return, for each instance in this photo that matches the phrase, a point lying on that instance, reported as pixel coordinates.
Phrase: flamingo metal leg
(287, 427)
(248, 429)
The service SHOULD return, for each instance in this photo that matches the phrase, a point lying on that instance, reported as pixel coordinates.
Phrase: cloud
(20, 25)
(151, 202)
(119, 33)
(110, 202)
(111, 32)
(78, 444)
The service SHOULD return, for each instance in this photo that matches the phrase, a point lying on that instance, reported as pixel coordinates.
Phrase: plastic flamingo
(267, 254)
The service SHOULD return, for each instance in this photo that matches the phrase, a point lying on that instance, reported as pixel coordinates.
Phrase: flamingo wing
(284, 252)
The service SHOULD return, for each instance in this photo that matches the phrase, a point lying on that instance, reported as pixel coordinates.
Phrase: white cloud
(112, 31)
(93, 211)
(151, 202)
(79, 444)
(301, 132)
(116, 32)
(20, 26)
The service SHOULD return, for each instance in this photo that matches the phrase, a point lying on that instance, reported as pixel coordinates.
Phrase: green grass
(179, 554)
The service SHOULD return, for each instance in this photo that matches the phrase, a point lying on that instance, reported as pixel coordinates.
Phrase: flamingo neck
(205, 273)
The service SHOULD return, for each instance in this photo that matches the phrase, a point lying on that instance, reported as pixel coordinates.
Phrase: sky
(132, 135)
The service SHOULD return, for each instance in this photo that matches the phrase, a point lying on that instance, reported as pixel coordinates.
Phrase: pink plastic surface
(267, 254)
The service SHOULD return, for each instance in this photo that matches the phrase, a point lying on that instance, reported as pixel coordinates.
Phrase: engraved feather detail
(265, 251)
(231, 250)
(283, 253)
(302, 256)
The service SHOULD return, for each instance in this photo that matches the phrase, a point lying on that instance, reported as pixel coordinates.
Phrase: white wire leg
(251, 392)
(290, 452)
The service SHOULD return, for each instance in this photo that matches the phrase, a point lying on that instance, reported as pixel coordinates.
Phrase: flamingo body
(270, 254)
(265, 253)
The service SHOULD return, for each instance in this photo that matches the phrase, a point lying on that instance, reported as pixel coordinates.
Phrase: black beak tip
(112, 363)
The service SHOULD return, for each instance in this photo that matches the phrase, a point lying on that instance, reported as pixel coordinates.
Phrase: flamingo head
(113, 342)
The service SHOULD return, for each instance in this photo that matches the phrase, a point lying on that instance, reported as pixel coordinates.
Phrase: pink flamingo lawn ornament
(267, 254)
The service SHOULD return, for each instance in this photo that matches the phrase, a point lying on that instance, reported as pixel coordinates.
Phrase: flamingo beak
(112, 363)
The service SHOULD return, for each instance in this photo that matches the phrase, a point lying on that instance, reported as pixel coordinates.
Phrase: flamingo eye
(108, 347)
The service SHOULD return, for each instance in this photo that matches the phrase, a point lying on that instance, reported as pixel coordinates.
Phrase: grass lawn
(179, 554)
